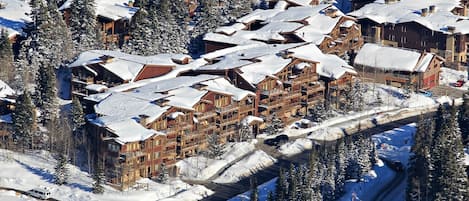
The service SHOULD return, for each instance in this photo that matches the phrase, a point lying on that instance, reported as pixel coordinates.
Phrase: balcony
(205, 115)
(228, 108)
(272, 92)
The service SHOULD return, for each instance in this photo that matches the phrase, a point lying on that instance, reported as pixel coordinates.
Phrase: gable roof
(111, 9)
(411, 11)
(390, 58)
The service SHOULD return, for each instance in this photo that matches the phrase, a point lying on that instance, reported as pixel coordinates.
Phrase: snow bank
(36, 169)
(449, 76)
(246, 167)
(296, 147)
(395, 144)
(263, 190)
(198, 192)
(202, 168)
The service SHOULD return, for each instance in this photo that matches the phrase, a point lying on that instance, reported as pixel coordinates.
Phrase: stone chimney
(143, 119)
(131, 3)
(432, 8)
(424, 12)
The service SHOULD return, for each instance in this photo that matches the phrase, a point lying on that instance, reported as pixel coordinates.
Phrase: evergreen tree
(254, 192)
(292, 190)
(244, 133)
(328, 180)
(83, 25)
(6, 58)
(318, 113)
(78, 117)
(163, 175)
(142, 36)
(172, 32)
(99, 180)
(207, 18)
(270, 196)
(463, 118)
(315, 177)
(419, 163)
(275, 126)
(24, 120)
(450, 180)
(215, 147)
(60, 45)
(341, 164)
(46, 96)
(280, 186)
(237, 8)
(61, 171)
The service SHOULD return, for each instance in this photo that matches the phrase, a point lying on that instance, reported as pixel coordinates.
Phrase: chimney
(432, 9)
(143, 119)
(451, 29)
(424, 12)
(389, 1)
(131, 3)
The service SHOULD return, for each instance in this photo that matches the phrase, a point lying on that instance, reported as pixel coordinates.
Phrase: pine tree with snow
(449, 178)
(60, 43)
(83, 25)
(61, 170)
(99, 180)
(237, 8)
(315, 176)
(275, 125)
(419, 163)
(215, 148)
(270, 196)
(463, 118)
(207, 18)
(280, 185)
(172, 35)
(328, 180)
(318, 113)
(24, 120)
(340, 165)
(292, 190)
(254, 192)
(142, 35)
(46, 96)
(78, 117)
(245, 132)
(6, 58)
(163, 175)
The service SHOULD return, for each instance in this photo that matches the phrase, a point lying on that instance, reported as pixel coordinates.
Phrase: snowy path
(17, 191)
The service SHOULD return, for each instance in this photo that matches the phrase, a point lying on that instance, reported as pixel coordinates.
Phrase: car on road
(396, 165)
(278, 140)
(459, 83)
(41, 193)
(426, 93)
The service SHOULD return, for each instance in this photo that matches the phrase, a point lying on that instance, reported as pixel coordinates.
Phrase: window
(113, 147)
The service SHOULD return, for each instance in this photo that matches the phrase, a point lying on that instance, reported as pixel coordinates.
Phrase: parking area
(447, 91)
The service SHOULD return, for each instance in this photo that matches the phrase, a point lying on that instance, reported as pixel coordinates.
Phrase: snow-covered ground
(392, 145)
(263, 190)
(246, 167)
(36, 169)
(202, 168)
(449, 76)
(296, 147)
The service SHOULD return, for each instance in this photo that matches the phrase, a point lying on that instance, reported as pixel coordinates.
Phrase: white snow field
(246, 167)
(449, 76)
(201, 168)
(36, 169)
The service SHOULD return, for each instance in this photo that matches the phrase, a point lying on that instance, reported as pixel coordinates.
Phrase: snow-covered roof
(309, 23)
(249, 119)
(112, 9)
(411, 11)
(268, 65)
(129, 130)
(300, 2)
(96, 87)
(329, 65)
(390, 58)
(118, 106)
(5, 90)
(221, 85)
(127, 66)
(14, 16)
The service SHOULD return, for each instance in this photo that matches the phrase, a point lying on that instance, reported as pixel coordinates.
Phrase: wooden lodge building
(398, 67)
(113, 16)
(430, 26)
(150, 122)
(323, 25)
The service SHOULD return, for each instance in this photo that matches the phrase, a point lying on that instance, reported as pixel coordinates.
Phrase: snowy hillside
(32, 170)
